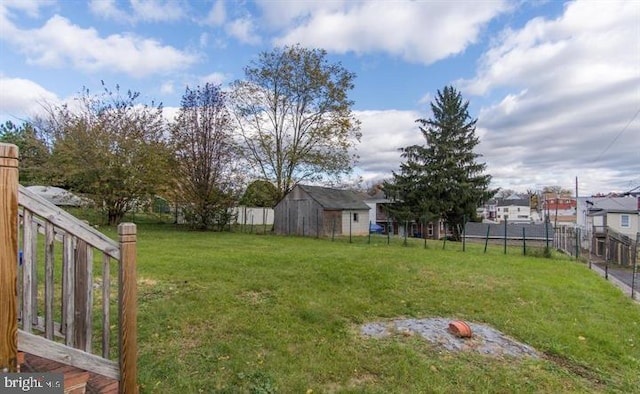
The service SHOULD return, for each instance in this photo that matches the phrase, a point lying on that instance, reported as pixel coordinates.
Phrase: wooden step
(20, 360)
(76, 381)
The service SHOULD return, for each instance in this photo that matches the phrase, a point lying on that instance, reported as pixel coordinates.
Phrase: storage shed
(320, 211)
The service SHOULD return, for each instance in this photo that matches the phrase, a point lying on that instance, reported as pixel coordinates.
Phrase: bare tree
(205, 157)
(295, 118)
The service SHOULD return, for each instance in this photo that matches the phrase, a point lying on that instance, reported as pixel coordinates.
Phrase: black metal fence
(527, 235)
(615, 255)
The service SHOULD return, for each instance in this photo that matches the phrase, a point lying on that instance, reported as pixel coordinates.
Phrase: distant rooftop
(612, 204)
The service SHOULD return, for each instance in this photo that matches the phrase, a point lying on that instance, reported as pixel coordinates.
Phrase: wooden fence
(569, 240)
(614, 247)
(64, 308)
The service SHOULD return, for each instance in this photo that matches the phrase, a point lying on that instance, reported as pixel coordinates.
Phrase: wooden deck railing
(63, 308)
(8, 257)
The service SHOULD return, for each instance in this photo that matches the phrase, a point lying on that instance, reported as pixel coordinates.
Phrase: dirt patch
(577, 369)
(254, 298)
(147, 282)
(485, 340)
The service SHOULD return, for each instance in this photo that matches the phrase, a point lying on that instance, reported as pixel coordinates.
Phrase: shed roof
(335, 198)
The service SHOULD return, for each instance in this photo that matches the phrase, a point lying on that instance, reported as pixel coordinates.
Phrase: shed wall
(355, 222)
(298, 214)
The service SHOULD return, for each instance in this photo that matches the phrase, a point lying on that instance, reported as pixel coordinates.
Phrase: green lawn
(233, 312)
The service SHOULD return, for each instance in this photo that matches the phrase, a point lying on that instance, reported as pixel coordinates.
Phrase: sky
(554, 85)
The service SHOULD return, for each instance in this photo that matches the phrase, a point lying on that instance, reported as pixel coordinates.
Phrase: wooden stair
(76, 381)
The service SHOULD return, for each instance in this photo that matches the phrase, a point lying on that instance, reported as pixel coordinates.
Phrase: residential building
(514, 209)
(560, 209)
(619, 214)
(379, 212)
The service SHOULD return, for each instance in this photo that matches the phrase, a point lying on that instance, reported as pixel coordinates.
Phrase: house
(379, 214)
(560, 209)
(614, 223)
(379, 210)
(619, 214)
(488, 211)
(320, 211)
(514, 209)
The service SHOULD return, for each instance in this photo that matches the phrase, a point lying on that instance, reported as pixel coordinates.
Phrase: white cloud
(60, 43)
(157, 10)
(29, 7)
(170, 113)
(572, 87)
(592, 41)
(217, 15)
(108, 9)
(243, 29)
(215, 78)
(22, 98)
(167, 87)
(426, 99)
(419, 32)
(282, 14)
(141, 10)
(383, 134)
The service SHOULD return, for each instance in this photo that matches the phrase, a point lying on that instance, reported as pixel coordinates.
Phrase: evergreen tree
(442, 179)
(33, 150)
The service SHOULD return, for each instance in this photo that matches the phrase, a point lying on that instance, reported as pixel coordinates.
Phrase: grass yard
(230, 312)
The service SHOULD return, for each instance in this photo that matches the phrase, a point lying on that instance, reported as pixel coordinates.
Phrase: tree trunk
(114, 216)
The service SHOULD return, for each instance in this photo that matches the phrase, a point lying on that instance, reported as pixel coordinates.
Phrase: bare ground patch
(485, 339)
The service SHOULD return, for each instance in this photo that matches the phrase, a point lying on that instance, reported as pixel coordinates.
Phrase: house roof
(507, 202)
(612, 204)
(335, 198)
(376, 195)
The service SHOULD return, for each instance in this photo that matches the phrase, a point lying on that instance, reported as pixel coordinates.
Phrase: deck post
(8, 257)
(127, 336)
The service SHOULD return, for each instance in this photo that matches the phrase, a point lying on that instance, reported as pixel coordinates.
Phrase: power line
(618, 135)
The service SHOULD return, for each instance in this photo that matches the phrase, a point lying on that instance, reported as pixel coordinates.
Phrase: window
(625, 221)
(505, 209)
(355, 217)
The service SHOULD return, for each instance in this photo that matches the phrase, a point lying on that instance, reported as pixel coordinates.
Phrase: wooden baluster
(68, 290)
(27, 271)
(106, 293)
(48, 280)
(8, 257)
(83, 299)
(128, 347)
